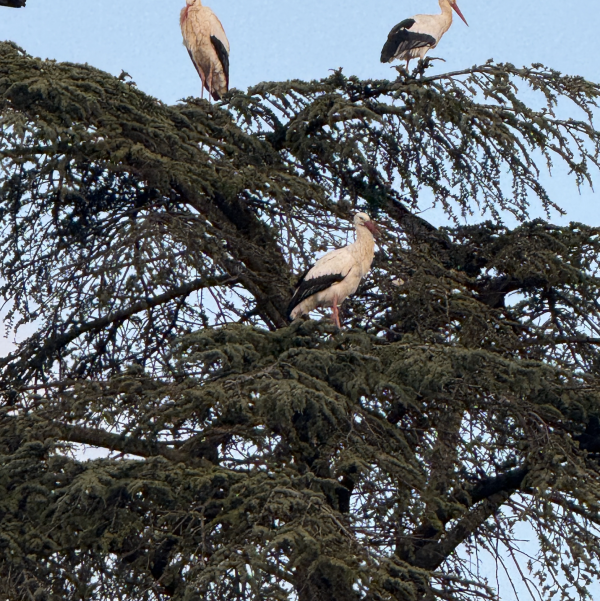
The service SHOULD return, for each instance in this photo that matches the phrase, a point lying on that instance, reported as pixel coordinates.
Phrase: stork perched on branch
(207, 45)
(13, 3)
(336, 275)
(415, 37)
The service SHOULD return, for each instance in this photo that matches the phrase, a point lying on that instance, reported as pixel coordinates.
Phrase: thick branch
(428, 551)
(553, 340)
(122, 444)
(493, 291)
(489, 291)
(252, 244)
(508, 482)
(433, 555)
(418, 229)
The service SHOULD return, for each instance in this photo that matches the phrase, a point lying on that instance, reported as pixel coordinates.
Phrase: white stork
(415, 37)
(208, 47)
(336, 275)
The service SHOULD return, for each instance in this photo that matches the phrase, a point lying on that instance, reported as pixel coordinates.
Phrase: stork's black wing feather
(406, 24)
(223, 55)
(401, 39)
(307, 288)
(13, 3)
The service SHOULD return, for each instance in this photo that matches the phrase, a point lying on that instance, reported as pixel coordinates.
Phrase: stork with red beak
(208, 47)
(415, 37)
(336, 276)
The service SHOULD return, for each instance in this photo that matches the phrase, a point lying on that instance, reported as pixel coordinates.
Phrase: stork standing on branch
(336, 275)
(415, 37)
(208, 47)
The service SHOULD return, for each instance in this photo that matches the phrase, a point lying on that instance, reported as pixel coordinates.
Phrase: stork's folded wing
(307, 288)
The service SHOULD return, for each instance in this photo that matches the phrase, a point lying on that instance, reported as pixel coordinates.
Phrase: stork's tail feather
(223, 56)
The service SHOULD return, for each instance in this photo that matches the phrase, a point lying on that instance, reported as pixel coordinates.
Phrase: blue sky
(283, 39)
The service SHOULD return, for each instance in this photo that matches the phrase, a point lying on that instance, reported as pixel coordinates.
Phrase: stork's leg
(336, 313)
(210, 82)
(200, 73)
(203, 80)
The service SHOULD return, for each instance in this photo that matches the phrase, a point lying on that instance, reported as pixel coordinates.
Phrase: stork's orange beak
(455, 7)
(372, 227)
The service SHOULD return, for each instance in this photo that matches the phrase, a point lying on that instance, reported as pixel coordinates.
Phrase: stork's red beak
(372, 227)
(455, 7)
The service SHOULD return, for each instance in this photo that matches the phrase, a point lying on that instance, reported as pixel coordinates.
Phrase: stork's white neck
(443, 21)
(364, 248)
(363, 235)
(446, 13)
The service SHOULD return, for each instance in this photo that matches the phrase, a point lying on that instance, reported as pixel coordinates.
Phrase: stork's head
(363, 220)
(454, 5)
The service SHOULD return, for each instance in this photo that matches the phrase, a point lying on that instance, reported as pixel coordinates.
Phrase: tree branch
(510, 481)
(36, 354)
(120, 443)
(429, 552)
(432, 556)
(542, 341)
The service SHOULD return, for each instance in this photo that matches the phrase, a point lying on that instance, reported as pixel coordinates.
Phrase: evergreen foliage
(153, 249)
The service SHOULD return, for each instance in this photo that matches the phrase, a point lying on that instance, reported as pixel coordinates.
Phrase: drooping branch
(38, 353)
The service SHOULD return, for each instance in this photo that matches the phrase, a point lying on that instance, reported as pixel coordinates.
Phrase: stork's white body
(434, 25)
(208, 46)
(349, 264)
(352, 261)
